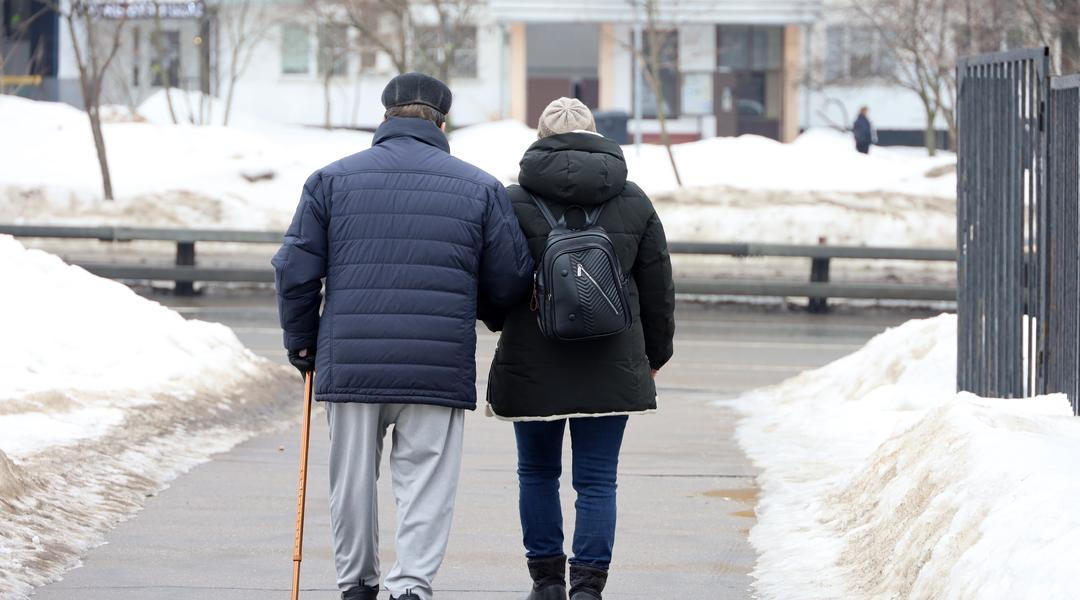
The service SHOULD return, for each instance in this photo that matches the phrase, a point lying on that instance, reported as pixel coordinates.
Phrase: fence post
(819, 273)
(185, 257)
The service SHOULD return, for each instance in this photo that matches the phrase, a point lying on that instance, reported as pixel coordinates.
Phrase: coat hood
(574, 168)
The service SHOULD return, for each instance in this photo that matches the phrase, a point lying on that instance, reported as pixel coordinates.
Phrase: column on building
(789, 123)
(519, 72)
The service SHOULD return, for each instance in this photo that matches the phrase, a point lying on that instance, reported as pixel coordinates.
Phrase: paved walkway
(686, 495)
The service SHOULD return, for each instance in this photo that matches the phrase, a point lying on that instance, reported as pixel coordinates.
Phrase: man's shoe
(587, 583)
(364, 592)
(549, 578)
(408, 595)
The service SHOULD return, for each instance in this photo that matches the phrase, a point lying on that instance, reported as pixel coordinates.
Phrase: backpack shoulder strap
(544, 210)
(594, 218)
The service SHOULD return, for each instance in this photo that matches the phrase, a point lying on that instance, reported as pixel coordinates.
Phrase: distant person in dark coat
(407, 242)
(591, 386)
(864, 131)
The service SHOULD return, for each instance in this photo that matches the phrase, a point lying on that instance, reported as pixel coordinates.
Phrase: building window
(432, 45)
(748, 48)
(333, 49)
(295, 49)
(854, 52)
(165, 65)
(665, 70)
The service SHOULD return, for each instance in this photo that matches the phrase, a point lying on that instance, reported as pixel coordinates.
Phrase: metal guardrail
(818, 288)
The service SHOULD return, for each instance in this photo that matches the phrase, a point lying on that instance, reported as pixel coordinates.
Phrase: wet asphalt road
(686, 495)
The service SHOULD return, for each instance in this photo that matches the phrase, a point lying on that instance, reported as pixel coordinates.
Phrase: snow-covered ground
(104, 397)
(879, 481)
(746, 188)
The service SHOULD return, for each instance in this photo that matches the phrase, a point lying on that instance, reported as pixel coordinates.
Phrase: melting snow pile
(104, 397)
(879, 481)
(241, 176)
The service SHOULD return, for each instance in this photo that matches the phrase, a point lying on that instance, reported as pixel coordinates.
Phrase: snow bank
(192, 107)
(185, 175)
(495, 147)
(819, 160)
(786, 217)
(879, 481)
(163, 174)
(104, 397)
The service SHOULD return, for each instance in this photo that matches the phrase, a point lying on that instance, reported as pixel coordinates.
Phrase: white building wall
(355, 98)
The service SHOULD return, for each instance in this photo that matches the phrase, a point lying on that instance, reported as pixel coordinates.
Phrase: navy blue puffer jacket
(411, 243)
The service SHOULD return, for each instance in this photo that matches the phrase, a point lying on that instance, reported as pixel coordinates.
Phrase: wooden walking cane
(299, 544)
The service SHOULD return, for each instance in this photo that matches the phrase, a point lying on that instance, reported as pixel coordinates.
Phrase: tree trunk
(950, 121)
(326, 105)
(1070, 47)
(165, 83)
(99, 145)
(667, 144)
(91, 102)
(654, 83)
(233, 76)
(228, 101)
(929, 133)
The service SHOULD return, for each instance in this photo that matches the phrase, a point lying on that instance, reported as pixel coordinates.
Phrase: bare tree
(426, 35)
(332, 38)
(441, 48)
(94, 51)
(404, 31)
(1057, 20)
(161, 71)
(654, 60)
(917, 33)
(385, 24)
(245, 24)
(927, 37)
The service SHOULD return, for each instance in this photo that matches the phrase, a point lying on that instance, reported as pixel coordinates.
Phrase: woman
(543, 384)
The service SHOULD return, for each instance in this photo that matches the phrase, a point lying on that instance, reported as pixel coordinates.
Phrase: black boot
(364, 592)
(587, 583)
(408, 595)
(549, 578)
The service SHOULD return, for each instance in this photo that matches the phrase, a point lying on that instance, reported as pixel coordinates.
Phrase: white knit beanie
(563, 116)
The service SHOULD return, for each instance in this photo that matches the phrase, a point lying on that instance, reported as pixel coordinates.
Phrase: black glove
(304, 361)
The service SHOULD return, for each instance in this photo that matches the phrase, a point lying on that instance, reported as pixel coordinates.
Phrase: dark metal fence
(1062, 357)
(1001, 177)
(1018, 227)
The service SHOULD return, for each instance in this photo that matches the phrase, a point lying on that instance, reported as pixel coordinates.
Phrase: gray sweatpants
(425, 462)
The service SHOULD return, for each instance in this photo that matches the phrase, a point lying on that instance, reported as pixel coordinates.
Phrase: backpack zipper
(580, 270)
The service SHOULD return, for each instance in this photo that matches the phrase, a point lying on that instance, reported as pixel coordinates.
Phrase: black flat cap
(417, 88)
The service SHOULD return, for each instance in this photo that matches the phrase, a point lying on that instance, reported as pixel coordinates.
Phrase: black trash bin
(613, 124)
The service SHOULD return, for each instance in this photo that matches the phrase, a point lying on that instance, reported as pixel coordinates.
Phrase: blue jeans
(596, 442)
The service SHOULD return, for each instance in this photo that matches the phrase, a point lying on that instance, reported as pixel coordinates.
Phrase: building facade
(724, 67)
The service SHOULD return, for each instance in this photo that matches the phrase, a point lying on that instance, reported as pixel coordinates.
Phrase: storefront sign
(145, 10)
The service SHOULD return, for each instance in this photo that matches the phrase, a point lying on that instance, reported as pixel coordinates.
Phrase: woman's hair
(563, 116)
(417, 111)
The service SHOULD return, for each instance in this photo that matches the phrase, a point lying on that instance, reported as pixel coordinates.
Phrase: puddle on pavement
(748, 494)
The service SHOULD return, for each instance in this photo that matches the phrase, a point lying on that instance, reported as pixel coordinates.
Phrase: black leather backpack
(580, 292)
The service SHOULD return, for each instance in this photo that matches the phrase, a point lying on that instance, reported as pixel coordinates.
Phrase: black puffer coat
(536, 378)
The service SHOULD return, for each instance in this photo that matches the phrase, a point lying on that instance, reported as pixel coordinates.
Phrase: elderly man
(407, 243)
